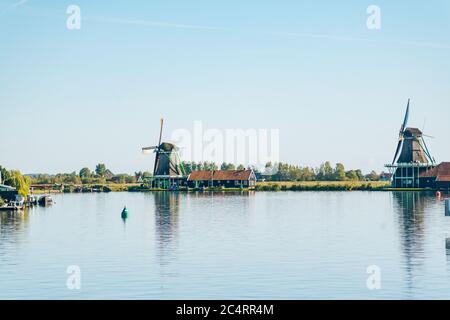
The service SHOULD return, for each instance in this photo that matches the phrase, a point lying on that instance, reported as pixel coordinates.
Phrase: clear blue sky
(336, 90)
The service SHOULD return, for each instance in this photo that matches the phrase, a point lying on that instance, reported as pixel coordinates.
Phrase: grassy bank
(322, 186)
(109, 187)
(260, 186)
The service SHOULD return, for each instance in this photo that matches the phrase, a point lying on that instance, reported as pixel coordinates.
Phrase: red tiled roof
(220, 175)
(441, 172)
(232, 174)
(200, 175)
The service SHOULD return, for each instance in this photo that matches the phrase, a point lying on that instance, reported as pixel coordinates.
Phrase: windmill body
(413, 150)
(168, 161)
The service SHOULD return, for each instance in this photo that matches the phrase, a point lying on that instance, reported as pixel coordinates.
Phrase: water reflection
(167, 207)
(410, 208)
(12, 223)
(447, 248)
(12, 227)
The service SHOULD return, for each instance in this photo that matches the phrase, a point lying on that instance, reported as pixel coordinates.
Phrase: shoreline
(272, 186)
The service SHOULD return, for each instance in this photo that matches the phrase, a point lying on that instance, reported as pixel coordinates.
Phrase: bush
(2, 202)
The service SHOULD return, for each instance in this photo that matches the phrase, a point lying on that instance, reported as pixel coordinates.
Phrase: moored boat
(12, 206)
(45, 201)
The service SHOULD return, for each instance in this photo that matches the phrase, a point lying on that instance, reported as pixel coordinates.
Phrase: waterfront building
(244, 179)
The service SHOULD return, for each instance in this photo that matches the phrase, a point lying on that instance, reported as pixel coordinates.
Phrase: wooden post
(447, 207)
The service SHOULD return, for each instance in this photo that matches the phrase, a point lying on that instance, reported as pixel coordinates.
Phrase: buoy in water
(124, 213)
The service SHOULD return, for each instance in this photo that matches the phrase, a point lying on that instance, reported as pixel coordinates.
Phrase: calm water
(285, 245)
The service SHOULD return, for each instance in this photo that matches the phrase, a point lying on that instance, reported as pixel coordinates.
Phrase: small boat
(12, 206)
(32, 200)
(45, 201)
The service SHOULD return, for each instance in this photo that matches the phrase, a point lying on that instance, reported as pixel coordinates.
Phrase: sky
(335, 89)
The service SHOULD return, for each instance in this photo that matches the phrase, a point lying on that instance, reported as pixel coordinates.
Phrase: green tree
(240, 167)
(187, 167)
(360, 175)
(210, 166)
(85, 173)
(352, 175)
(4, 173)
(339, 172)
(373, 176)
(2, 202)
(73, 178)
(307, 174)
(325, 172)
(227, 166)
(100, 170)
(20, 182)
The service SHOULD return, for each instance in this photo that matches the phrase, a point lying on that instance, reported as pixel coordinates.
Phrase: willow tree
(19, 181)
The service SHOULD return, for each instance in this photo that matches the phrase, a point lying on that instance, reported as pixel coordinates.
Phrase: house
(108, 174)
(222, 178)
(8, 193)
(6, 188)
(385, 176)
(436, 178)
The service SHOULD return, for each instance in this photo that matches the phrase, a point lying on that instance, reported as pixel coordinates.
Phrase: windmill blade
(431, 137)
(405, 120)
(159, 146)
(147, 150)
(160, 131)
(399, 146)
(156, 162)
(427, 152)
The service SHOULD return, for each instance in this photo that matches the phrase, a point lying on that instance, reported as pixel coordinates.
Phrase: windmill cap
(166, 146)
(413, 131)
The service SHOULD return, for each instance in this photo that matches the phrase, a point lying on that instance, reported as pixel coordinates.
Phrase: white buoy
(447, 207)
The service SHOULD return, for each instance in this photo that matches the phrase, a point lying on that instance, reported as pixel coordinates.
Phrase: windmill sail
(148, 150)
(159, 147)
(405, 120)
(399, 146)
(401, 135)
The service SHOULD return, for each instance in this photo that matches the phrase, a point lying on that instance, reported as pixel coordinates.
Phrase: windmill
(412, 157)
(167, 160)
(412, 144)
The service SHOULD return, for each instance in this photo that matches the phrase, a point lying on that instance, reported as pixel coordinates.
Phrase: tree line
(325, 172)
(271, 172)
(288, 172)
(99, 175)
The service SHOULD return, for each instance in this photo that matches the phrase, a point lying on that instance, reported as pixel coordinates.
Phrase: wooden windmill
(167, 160)
(412, 144)
(412, 157)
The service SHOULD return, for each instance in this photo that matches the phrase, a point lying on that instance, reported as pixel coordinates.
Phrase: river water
(263, 245)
